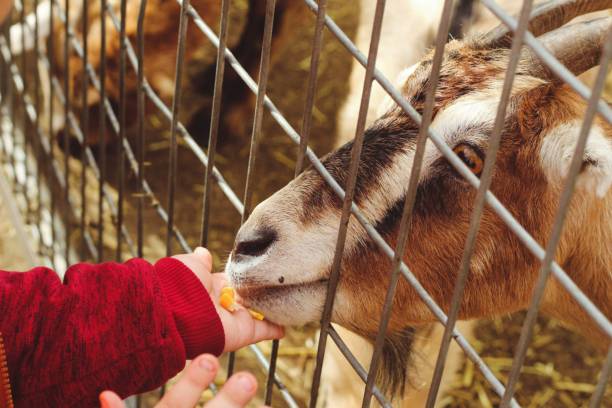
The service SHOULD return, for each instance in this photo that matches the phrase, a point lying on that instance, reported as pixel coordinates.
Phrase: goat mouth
(255, 292)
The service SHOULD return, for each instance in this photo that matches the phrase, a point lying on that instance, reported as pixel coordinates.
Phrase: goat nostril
(257, 244)
(281, 279)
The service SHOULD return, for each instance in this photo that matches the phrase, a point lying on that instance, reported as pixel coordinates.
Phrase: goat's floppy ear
(558, 148)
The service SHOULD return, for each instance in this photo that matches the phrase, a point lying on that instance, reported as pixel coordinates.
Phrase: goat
(283, 253)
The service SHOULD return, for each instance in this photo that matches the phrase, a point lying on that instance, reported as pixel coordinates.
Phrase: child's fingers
(187, 391)
(236, 393)
(206, 257)
(109, 399)
(264, 330)
(242, 329)
(219, 281)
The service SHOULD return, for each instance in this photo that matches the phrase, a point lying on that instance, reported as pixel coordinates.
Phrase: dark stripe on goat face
(383, 141)
(436, 197)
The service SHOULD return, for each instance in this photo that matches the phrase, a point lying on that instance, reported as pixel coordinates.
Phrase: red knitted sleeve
(125, 327)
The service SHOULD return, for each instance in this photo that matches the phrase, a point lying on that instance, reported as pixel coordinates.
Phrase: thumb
(109, 399)
(205, 256)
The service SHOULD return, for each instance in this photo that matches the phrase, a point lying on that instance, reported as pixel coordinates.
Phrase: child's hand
(236, 393)
(239, 326)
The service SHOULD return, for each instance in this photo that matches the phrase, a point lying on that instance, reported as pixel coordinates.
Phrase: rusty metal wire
(351, 182)
(443, 32)
(59, 91)
(485, 183)
(214, 121)
(141, 130)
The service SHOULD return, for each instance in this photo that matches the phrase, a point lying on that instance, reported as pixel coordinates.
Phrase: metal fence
(40, 169)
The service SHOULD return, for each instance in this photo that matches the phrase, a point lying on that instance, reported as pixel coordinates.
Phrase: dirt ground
(560, 370)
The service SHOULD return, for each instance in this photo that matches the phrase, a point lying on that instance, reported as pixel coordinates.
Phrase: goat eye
(470, 157)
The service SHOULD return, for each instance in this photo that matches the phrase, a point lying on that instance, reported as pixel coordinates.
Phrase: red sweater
(124, 327)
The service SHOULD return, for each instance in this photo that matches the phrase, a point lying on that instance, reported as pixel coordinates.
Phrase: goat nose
(254, 244)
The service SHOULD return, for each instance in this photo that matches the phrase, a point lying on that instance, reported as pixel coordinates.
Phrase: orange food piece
(256, 315)
(228, 302)
(228, 299)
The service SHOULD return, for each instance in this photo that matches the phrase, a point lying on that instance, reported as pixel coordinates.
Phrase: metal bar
(6, 83)
(261, 92)
(214, 122)
(141, 136)
(176, 102)
(84, 120)
(261, 359)
(604, 376)
(351, 182)
(555, 66)
(485, 183)
(5, 28)
(51, 58)
(254, 149)
(271, 371)
(12, 98)
(264, 66)
(66, 83)
(37, 147)
(555, 236)
(317, 41)
(404, 229)
(122, 138)
(26, 124)
(103, 159)
(361, 372)
(530, 243)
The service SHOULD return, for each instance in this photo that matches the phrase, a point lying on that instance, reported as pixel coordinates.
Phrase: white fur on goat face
(291, 274)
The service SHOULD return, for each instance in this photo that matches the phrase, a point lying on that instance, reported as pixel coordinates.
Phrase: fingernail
(246, 382)
(103, 403)
(206, 364)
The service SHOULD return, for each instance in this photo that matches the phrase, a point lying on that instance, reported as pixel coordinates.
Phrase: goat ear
(557, 151)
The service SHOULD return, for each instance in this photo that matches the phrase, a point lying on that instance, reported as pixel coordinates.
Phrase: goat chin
(342, 387)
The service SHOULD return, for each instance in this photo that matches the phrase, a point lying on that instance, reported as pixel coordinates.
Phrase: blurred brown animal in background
(161, 23)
